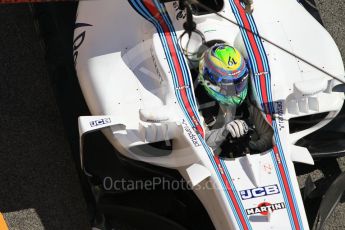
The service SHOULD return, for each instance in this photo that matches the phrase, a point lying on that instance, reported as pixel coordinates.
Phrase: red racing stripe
(155, 12)
(231, 193)
(286, 185)
(256, 51)
(269, 118)
(264, 93)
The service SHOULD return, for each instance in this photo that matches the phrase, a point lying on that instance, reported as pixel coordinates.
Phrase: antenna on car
(189, 27)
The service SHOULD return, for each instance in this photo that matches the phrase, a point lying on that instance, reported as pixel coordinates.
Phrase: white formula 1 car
(133, 60)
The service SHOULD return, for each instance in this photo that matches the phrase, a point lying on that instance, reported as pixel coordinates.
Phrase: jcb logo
(259, 192)
(100, 122)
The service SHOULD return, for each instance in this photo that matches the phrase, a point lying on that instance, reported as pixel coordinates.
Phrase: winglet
(197, 173)
(89, 124)
(301, 154)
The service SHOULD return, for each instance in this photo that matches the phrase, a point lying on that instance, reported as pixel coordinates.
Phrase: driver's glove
(237, 128)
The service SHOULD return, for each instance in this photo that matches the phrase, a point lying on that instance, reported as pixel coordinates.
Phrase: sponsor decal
(190, 133)
(100, 122)
(267, 167)
(180, 14)
(276, 153)
(265, 208)
(259, 192)
(280, 111)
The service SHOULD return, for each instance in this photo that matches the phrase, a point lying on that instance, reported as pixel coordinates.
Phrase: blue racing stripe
(282, 186)
(264, 59)
(210, 155)
(270, 103)
(282, 157)
(147, 15)
(181, 58)
(214, 165)
(234, 188)
(250, 52)
(150, 18)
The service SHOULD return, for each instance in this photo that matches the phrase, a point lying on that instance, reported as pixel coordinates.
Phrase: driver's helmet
(224, 74)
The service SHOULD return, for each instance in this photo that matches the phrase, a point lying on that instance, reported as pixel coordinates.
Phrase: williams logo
(259, 192)
(100, 122)
(265, 208)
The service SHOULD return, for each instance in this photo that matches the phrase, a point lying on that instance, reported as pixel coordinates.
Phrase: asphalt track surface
(39, 186)
(333, 16)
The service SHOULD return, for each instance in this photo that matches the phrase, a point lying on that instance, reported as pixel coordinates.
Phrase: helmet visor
(232, 89)
(227, 85)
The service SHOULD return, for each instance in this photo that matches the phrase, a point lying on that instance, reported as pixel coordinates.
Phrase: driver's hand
(237, 128)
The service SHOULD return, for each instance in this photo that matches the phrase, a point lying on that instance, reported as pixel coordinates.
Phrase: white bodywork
(127, 80)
